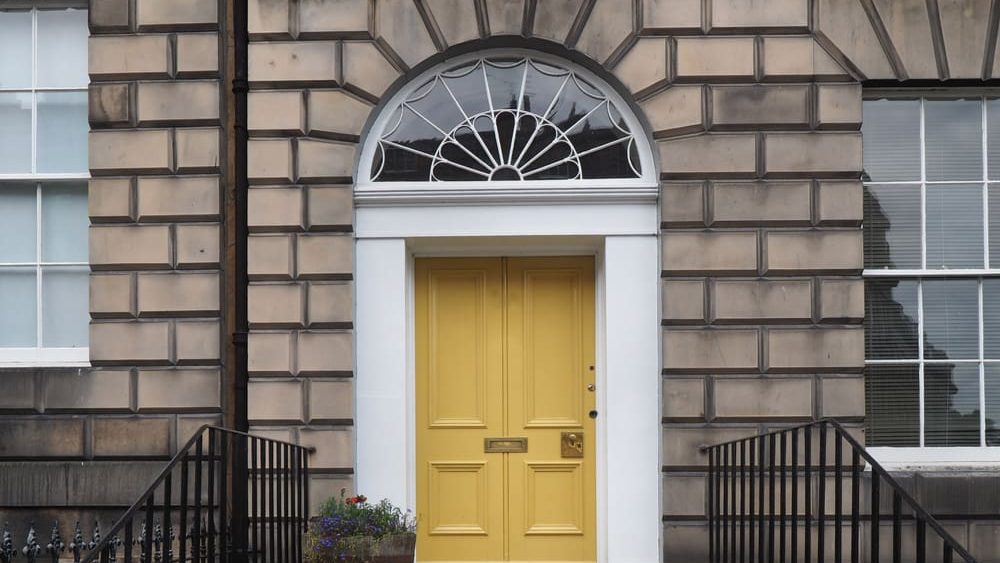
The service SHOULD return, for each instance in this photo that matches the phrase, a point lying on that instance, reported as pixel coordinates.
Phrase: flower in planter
(350, 529)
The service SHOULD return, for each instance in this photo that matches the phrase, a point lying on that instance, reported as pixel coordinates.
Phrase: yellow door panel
(459, 383)
(550, 359)
(451, 486)
(554, 495)
(505, 351)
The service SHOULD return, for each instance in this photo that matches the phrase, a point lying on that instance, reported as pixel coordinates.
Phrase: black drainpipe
(241, 36)
(241, 39)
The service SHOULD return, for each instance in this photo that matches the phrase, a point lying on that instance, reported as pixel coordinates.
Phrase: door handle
(571, 444)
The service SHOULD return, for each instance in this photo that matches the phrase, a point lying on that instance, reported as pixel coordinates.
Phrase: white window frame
(38, 356)
(923, 456)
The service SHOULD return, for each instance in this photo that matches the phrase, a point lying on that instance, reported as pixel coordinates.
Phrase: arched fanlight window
(505, 117)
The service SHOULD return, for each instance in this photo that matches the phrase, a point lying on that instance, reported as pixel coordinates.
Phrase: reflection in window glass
(892, 226)
(992, 400)
(891, 319)
(505, 119)
(951, 404)
(932, 259)
(954, 226)
(951, 319)
(891, 134)
(892, 398)
(953, 130)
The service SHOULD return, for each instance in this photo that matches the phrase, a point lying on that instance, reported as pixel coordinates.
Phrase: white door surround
(623, 237)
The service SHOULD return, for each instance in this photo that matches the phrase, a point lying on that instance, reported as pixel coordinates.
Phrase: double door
(505, 403)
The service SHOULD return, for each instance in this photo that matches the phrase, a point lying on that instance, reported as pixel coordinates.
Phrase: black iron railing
(782, 497)
(226, 496)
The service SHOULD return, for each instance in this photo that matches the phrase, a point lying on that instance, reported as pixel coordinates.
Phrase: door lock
(591, 387)
(571, 444)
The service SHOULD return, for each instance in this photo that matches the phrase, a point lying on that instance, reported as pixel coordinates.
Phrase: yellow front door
(504, 391)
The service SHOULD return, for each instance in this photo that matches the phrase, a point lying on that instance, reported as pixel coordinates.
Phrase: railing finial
(7, 551)
(55, 546)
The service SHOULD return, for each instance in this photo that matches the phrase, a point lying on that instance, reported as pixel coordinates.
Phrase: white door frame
(623, 237)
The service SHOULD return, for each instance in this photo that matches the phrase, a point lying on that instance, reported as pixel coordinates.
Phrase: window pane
(62, 132)
(62, 47)
(891, 132)
(954, 226)
(953, 130)
(15, 49)
(892, 226)
(65, 310)
(951, 319)
(893, 405)
(17, 307)
(951, 404)
(17, 223)
(15, 133)
(993, 138)
(64, 223)
(991, 319)
(994, 218)
(891, 319)
(992, 381)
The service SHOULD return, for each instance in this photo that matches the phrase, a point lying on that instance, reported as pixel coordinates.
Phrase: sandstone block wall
(755, 110)
(80, 444)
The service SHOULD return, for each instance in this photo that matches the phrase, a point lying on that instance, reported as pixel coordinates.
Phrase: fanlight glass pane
(15, 49)
(892, 226)
(505, 119)
(951, 319)
(65, 308)
(892, 394)
(954, 226)
(951, 404)
(891, 130)
(62, 48)
(17, 307)
(891, 319)
(62, 131)
(953, 130)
